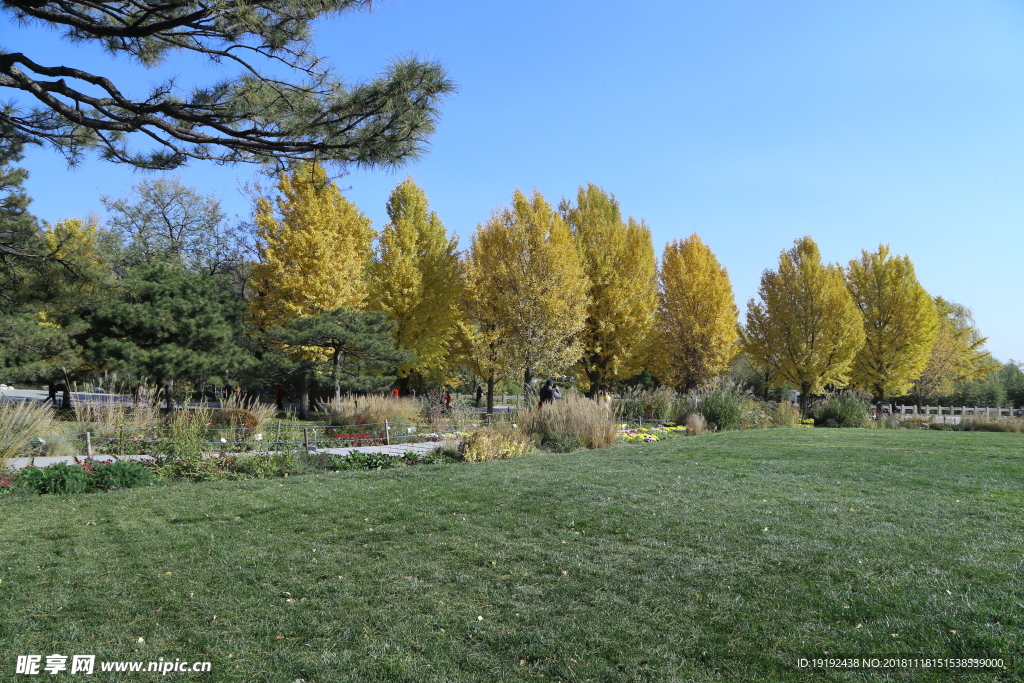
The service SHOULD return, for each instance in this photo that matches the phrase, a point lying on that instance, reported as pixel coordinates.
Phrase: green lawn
(716, 558)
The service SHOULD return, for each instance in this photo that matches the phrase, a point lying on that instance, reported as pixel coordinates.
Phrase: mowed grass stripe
(723, 557)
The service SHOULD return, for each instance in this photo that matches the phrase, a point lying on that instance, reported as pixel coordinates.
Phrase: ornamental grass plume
(569, 424)
(20, 422)
(373, 409)
(259, 414)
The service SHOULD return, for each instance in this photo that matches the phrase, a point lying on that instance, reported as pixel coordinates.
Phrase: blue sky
(750, 123)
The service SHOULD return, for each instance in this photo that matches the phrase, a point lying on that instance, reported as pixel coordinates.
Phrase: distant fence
(949, 411)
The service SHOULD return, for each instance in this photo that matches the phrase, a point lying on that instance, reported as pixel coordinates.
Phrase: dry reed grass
(570, 423)
(261, 413)
(20, 422)
(368, 410)
(988, 424)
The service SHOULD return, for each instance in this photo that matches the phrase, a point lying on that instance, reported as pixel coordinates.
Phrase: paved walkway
(394, 450)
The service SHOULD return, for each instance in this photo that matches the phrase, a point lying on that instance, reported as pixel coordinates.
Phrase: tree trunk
(490, 395)
(170, 396)
(304, 398)
(595, 383)
(404, 385)
(805, 390)
(337, 374)
(527, 382)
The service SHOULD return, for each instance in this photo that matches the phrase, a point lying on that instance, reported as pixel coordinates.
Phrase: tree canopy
(416, 280)
(313, 253)
(279, 102)
(527, 290)
(22, 252)
(165, 221)
(360, 345)
(806, 326)
(695, 329)
(900, 322)
(618, 260)
(163, 323)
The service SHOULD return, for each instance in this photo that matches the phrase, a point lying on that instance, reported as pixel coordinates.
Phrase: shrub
(435, 456)
(258, 414)
(261, 466)
(178, 468)
(723, 406)
(448, 452)
(120, 475)
(842, 409)
(983, 424)
(242, 421)
(569, 424)
(60, 478)
(695, 424)
(494, 444)
(364, 461)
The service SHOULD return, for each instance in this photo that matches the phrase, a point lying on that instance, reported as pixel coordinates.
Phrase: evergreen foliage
(22, 252)
(278, 101)
(359, 345)
(162, 323)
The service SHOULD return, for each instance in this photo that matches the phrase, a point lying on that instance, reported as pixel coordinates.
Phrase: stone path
(394, 450)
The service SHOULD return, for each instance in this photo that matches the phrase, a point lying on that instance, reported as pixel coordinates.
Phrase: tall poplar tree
(618, 260)
(900, 323)
(806, 323)
(415, 279)
(526, 291)
(313, 251)
(695, 330)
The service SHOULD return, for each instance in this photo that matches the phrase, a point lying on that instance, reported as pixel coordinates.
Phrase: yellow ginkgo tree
(314, 250)
(618, 260)
(900, 323)
(526, 293)
(805, 324)
(415, 280)
(695, 330)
